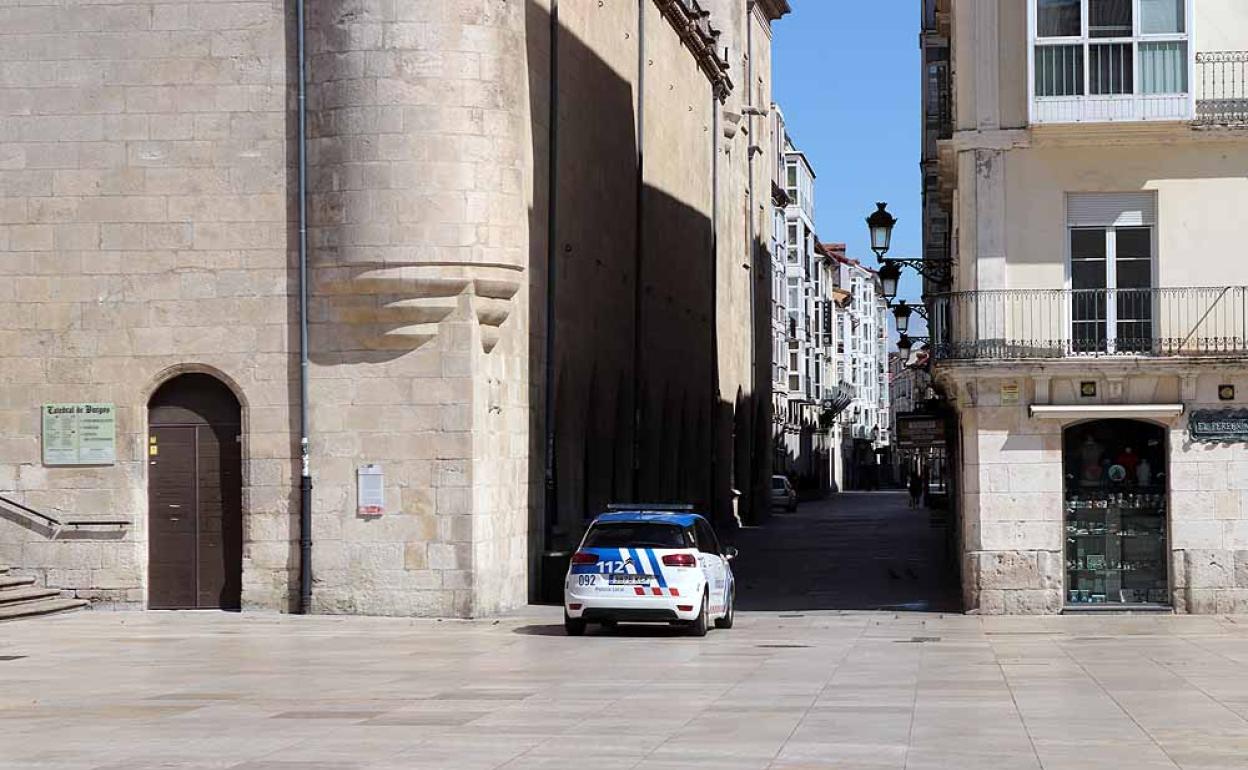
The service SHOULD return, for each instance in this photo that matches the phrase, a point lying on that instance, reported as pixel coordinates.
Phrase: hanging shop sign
(1219, 425)
(920, 431)
(79, 434)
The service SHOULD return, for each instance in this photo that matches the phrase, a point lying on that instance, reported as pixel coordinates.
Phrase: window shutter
(1111, 209)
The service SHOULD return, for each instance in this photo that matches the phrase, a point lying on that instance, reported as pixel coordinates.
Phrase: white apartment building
(862, 364)
(808, 393)
(1094, 340)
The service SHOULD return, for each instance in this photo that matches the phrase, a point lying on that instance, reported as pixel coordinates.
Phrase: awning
(1123, 411)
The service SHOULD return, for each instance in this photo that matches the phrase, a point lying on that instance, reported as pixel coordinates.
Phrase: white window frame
(1139, 106)
(1150, 221)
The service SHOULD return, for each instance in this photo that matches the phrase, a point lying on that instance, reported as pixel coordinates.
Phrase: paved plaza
(787, 688)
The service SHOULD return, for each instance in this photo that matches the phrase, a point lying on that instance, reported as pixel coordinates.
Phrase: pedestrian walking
(916, 489)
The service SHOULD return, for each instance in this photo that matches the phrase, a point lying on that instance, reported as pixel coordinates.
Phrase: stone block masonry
(144, 232)
(148, 229)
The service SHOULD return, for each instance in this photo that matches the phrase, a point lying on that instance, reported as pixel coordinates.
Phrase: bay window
(1108, 60)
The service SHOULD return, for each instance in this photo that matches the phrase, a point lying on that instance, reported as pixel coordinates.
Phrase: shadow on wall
(634, 322)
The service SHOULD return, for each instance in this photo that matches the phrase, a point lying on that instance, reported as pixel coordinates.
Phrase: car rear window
(641, 534)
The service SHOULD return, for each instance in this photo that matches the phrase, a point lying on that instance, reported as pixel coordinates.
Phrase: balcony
(1222, 88)
(1118, 85)
(1012, 324)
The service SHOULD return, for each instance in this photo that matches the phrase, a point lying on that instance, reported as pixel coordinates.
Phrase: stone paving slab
(821, 689)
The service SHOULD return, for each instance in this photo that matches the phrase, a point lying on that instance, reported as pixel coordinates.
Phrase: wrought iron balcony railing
(1060, 323)
(1222, 88)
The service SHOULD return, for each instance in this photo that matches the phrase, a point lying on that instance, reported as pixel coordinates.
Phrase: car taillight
(584, 557)
(679, 560)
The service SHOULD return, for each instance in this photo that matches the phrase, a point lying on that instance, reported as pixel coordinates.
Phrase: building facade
(809, 393)
(496, 345)
(862, 360)
(1092, 341)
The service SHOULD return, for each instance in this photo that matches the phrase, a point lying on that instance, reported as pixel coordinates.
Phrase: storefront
(1116, 522)
(1128, 492)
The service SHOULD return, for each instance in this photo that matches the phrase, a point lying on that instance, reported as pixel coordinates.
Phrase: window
(1059, 18)
(707, 542)
(1105, 60)
(635, 535)
(1111, 272)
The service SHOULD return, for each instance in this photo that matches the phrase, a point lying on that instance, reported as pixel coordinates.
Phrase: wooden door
(172, 483)
(194, 496)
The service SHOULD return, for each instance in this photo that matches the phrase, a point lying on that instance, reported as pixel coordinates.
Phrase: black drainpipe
(748, 484)
(714, 369)
(305, 475)
(639, 287)
(552, 233)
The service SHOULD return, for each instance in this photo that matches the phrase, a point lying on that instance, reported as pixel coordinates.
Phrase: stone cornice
(774, 9)
(693, 24)
(1092, 134)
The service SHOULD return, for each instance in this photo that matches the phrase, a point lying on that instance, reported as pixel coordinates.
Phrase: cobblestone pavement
(798, 687)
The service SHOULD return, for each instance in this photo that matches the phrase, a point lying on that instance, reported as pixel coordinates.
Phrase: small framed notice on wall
(370, 491)
(79, 434)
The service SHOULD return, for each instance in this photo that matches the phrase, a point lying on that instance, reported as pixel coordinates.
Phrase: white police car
(650, 564)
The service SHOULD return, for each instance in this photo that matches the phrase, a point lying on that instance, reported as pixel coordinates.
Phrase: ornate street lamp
(881, 223)
(904, 346)
(890, 275)
(901, 314)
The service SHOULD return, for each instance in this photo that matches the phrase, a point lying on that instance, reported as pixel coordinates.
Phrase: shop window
(1115, 514)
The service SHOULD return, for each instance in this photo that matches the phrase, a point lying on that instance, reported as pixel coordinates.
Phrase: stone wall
(143, 232)
(420, 195)
(147, 228)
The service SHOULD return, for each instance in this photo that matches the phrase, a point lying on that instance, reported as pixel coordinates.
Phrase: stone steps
(21, 598)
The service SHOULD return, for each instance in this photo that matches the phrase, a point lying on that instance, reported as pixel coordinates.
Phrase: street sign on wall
(79, 434)
(920, 431)
(1219, 425)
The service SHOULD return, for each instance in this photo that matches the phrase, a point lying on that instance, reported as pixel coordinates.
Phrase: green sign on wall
(79, 434)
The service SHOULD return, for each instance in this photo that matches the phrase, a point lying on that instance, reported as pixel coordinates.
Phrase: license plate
(630, 580)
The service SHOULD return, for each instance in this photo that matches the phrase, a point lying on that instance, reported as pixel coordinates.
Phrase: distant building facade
(862, 358)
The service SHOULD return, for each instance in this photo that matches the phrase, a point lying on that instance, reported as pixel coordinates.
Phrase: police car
(650, 564)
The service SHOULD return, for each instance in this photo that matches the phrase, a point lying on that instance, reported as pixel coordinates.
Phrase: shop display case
(1116, 547)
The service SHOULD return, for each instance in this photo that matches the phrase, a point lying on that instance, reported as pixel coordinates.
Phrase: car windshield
(634, 534)
(777, 483)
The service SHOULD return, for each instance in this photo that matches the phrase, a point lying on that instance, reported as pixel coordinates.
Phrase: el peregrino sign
(79, 434)
(1218, 425)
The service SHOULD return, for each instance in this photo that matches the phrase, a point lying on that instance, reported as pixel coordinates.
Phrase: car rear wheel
(573, 626)
(702, 622)
(730, 615)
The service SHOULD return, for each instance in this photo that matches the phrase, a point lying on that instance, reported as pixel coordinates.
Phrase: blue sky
(847, 76)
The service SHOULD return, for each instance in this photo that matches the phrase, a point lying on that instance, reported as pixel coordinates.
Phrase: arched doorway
(194, 492)
(1115, 514)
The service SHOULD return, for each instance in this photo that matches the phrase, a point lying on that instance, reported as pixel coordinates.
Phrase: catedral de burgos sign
(79, 434)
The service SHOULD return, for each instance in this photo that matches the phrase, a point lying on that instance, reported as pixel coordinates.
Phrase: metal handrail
(51, 521)
(1066, 323)
(57, 524)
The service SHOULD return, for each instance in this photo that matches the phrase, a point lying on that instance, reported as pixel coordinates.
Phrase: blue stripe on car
(658, 570)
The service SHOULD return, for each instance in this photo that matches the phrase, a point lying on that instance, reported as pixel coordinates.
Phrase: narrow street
(852, 551)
